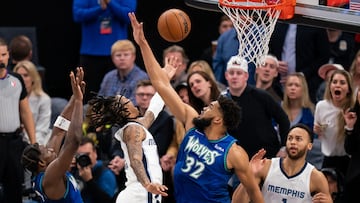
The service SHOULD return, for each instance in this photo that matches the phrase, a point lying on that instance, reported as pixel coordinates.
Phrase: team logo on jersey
(208, 155)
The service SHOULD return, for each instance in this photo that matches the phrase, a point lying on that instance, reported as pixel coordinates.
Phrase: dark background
(58, 37)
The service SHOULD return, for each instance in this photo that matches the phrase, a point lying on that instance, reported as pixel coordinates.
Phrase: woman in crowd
(329, 120)
(203, 90)
(40, 102)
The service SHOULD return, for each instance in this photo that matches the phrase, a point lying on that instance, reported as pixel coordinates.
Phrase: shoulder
(237, 156)
(318, 181)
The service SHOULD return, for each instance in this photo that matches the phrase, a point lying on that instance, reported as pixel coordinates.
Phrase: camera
(83, 159)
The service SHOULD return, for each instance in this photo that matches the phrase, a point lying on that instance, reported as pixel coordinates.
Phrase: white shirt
(327, 114)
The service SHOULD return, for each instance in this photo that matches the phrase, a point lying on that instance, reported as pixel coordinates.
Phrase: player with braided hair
(142, 169)
(49, 164)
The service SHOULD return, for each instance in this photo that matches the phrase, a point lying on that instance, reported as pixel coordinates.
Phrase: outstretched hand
(170, 66)
(138, 31)
(156, 188)
(257, 161)
(77, 84)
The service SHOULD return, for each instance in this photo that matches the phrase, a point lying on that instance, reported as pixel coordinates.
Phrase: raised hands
(77, 83)
(350, 118)
(138, 31)
(257, 162)
(170, 66)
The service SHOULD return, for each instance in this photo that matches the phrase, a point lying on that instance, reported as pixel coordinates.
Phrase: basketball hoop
(254, 21)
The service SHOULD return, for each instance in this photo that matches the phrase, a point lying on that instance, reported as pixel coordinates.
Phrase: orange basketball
(174, 25)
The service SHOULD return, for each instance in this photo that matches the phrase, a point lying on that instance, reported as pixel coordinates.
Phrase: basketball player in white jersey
(291, 179)
(142, 165)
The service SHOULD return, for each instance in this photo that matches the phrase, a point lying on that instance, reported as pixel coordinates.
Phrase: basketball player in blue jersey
(50, 164)
(208, 155)
(142, 164)
(290, 179)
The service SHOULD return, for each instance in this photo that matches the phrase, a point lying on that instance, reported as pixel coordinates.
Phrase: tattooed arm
(133, 137)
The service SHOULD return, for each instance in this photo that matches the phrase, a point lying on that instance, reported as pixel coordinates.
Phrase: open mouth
(337, 92)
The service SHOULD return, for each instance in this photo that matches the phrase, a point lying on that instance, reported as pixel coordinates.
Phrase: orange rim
(232, 5)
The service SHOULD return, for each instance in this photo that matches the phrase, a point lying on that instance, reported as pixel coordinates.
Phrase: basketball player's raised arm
(159, 78)
(53, 181)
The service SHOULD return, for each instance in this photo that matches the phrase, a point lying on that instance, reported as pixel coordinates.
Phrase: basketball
(174, 25)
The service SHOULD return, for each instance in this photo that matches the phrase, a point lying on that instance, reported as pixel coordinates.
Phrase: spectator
(182, 90)
(103, 22)
(266, 73)
(201, 65)
(123, 79)
(21, 48)
(259, 109)
(182, 61)
(329, 122)
(97, 181)
(15, 110)
(342, 47)
(300, 48)
(224, 25)
(325, 72)
(203, 90)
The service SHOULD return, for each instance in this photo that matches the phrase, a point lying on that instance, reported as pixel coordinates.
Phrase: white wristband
(156, 105)
(62, 123)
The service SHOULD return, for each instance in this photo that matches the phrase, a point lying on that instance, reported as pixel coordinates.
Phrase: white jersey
(278, 187)
(134, 191)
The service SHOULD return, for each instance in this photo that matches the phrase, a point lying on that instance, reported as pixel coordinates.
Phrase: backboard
(309, 12)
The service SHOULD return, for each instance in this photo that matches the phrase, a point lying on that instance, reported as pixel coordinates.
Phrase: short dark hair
(31, 157)
(306, 128)
(143, 83)
(231, 112)
(20, 47)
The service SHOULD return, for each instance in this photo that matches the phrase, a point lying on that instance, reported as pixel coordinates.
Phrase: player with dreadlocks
(142, 166)
(49, 164)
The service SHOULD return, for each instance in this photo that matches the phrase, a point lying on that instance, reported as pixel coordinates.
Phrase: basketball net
(254, 21)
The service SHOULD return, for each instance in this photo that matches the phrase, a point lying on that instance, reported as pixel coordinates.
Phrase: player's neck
(213, 132)
(293, 166)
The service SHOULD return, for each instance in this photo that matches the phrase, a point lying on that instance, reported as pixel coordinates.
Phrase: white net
(254, 23)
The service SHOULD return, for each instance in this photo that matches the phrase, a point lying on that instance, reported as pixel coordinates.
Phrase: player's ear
(42, 163)
(309, 146)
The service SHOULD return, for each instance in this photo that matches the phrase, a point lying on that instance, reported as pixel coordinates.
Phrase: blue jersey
(72, 193)
(200, 173)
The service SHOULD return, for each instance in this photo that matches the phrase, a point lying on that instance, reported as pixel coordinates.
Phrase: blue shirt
(201, 173)
(113, 85)
(101, 28)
